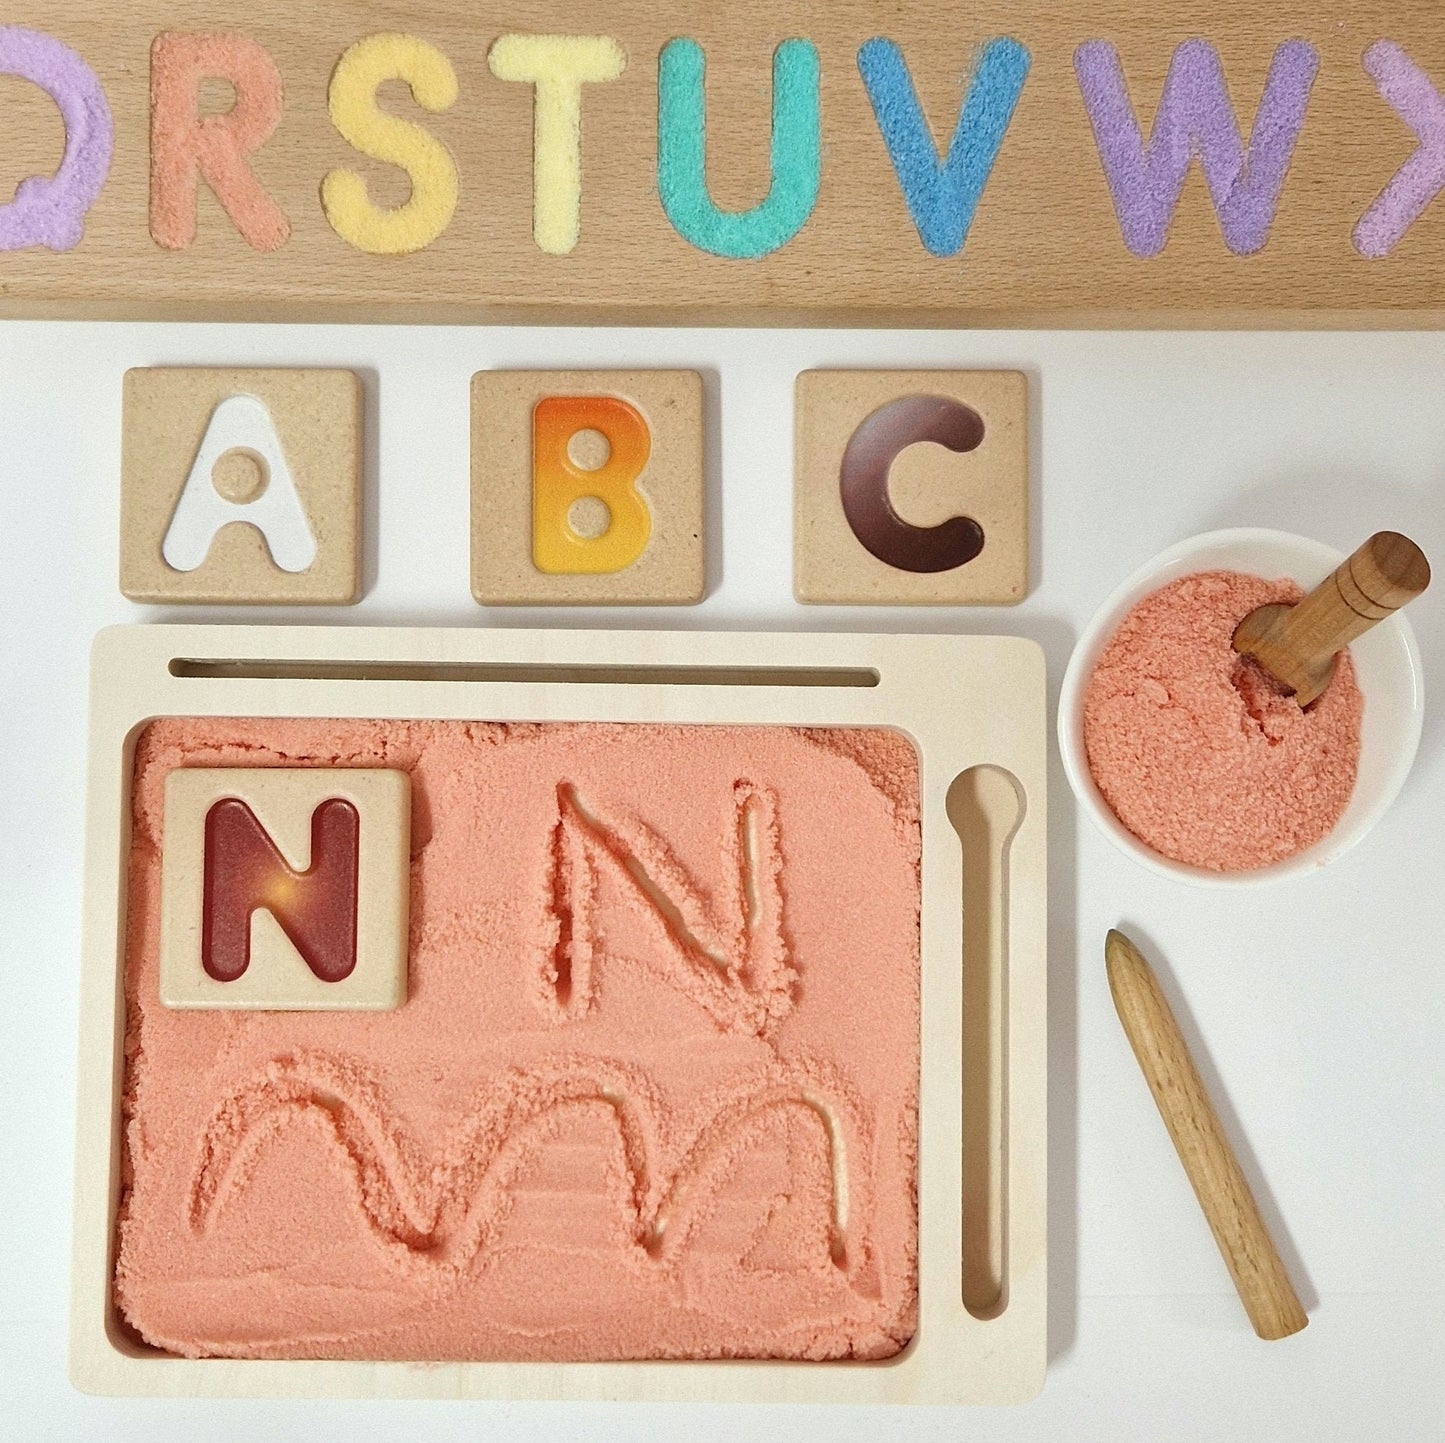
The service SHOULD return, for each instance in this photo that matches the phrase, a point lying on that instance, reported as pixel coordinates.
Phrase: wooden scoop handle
(1229, 1207)
(1297, 644)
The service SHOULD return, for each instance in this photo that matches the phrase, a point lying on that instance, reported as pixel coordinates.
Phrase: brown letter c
(863, 483)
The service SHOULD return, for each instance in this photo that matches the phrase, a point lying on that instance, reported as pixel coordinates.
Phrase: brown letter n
(244, 872)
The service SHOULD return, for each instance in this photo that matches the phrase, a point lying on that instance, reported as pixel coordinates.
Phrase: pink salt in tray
(717, 1070)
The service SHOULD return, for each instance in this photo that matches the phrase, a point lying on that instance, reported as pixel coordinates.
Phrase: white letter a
(239, 423)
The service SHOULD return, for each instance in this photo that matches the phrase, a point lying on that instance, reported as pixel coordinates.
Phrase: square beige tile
(587, 488)
(285, 889)
(241, 486)
(910, 488)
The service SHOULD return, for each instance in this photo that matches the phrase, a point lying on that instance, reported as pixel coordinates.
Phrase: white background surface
(1320, 1003)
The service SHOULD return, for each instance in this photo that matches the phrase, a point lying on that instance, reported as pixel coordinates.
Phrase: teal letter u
(682, 153)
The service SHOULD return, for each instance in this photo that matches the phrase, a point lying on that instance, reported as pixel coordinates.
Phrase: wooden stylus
(1254, 1262)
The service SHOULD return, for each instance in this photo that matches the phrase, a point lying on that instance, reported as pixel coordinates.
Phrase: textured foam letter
(942, 197)
(1195, 116)
(559, 66)
(682, 153)
(186, 144)
(558, 482)
(355, 113)
(50, 211)
(1409, 92)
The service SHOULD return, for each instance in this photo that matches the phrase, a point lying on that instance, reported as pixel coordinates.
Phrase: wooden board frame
(965, 702)
(1043, 242)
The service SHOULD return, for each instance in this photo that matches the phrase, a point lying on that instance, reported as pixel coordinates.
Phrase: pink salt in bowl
(1387, 667)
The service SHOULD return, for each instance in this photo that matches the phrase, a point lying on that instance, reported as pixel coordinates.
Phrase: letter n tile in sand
(587, 488)
(241, 486)
(911, 487)
(285, 889)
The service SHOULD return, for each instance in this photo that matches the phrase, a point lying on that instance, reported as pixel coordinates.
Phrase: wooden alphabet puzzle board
(973, 710)
(1213, 164)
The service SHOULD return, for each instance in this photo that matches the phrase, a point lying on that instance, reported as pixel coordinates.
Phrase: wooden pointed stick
(1229, 1206)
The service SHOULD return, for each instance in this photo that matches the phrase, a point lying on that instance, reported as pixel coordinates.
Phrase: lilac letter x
(1416, 101)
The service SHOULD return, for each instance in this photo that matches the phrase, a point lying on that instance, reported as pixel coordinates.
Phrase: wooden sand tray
(974, 709)
(1083, 164)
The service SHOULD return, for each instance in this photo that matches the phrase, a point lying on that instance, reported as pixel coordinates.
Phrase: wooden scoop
(1297, 644)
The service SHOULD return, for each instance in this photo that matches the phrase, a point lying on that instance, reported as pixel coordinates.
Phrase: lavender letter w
(1195, 117)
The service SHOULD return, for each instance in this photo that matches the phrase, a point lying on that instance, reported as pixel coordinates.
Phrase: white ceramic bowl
(1387, 663)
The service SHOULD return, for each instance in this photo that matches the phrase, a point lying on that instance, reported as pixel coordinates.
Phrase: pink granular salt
(653, 1092)
(1197, 751)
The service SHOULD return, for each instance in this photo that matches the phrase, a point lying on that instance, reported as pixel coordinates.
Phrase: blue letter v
(942, 198)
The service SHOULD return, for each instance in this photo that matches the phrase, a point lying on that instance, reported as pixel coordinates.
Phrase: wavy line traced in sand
(436, 1215)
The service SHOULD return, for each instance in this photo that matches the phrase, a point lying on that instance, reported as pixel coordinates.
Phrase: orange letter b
(558, 482)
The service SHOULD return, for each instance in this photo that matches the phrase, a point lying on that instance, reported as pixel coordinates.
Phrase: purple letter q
(50, 210)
